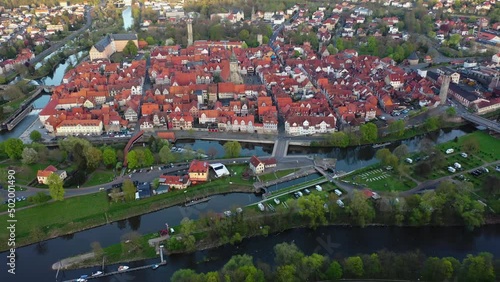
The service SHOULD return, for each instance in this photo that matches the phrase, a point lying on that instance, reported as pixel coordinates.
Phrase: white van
(338, 192)
(450, 151)
(340, 203)
(408, 160)
(450, 169)
(318, 188)
(457, 165)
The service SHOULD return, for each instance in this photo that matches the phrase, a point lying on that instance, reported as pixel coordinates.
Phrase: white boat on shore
(123, 268)
(97, 273)
(380, 145)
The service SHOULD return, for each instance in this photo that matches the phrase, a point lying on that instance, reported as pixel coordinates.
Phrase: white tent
(220, 169)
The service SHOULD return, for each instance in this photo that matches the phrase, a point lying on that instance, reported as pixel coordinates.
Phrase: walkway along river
(433, 241)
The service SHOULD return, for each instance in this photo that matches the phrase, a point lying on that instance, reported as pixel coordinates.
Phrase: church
(110, 44)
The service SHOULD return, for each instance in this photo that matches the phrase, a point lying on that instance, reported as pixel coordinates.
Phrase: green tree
(56, 189)
(287, 254)
(354, 266)
(360, 209)
(150, 40)
(401, 151)
(35, 136)
(132, 160)
(129, 190)
(93, 157)
(436, 269)
(331, 49)
(184, 275)
(109, 157)
(338, 139)
(286, 273)
(477, 268)
(310, 267)
(14, 148)
(244, 34)
(38, 198)
(451, 111)
(372, 265)
(369, 132)
(312, 208)
(216, 32)
(334, 271)
(340, 44)
(397, 128)
(130, 49)
(432, 123)
(470, 145)
(187, 228)
(166, 155)
(29, 156)
(232, 149)
(149, 159)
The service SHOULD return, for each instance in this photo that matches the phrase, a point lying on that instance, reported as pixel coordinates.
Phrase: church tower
(235, 75)
(190, 31)
(445, 85)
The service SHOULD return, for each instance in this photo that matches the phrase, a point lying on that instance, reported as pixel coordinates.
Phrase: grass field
(24, 173)
(276, 174)
(99, 177)
(380, 179)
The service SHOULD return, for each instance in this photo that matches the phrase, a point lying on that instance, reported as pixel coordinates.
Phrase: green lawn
(24, 173)
(276, 174)
(488, 145)
(99, 177)
(380, 179)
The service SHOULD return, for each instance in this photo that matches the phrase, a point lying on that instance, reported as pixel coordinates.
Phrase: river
(128, 20)
(442, 241)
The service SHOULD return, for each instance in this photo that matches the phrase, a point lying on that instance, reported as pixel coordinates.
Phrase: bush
(39, 198)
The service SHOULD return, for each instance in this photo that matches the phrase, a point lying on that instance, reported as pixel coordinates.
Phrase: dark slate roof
(101, 45)
(124, 36)
(469, 96)
(433, 75)
(413, 56)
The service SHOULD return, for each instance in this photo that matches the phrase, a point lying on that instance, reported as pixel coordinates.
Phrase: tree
(129, 190)
(232, 149)
(14, 148)
(184, 275)
(150, 40)
(244, 35)
(382, 154)
(130, 49)
(286, 273)
(56, 189)
(312, 208)
(491, 185)
(93, 157)
(338, 139)
(97, 250)
(149, 159)
(369, 132)
(35, 136)
(451, 111)
(360, 209)
(166, 155)
(331, 49)
(354, 266)
(470, 145)
(477, 268)
(334, 271)
(109, 157)
(372, 266)
(436, 269)
(188, 226)
(432, 123)
(38, 198)
(132, 159)
(401, 151)
(216, 32)
(29, 156)
(287, 254)
(397, 128)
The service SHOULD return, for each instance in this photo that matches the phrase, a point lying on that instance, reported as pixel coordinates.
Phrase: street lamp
(185, 197)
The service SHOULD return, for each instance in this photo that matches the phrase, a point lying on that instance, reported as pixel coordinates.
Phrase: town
(222, 122)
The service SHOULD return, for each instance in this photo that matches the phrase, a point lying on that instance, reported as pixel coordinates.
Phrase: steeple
(233, 56)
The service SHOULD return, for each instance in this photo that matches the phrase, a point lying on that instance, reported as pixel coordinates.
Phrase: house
(143, 191)
(110, 44)
(175, 182)
(43, 175)
(308, 125)
(162, 189)
(256, 165)
(198, 171)
(76, 127)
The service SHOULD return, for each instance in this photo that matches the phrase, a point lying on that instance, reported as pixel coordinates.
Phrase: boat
(155, 266)
(97, 273)
(261, 207)
(82, 278)
(123, 268)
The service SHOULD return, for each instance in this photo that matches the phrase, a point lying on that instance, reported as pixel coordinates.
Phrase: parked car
(307, 192)
(450, 151)
(463, 155)
(451, 169)
(338, 192)
(318, 188)
(277, 201)
(340, 203)
(408, 160)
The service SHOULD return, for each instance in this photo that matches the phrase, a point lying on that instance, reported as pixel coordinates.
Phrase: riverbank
(48, 221)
